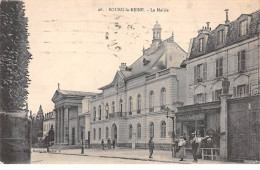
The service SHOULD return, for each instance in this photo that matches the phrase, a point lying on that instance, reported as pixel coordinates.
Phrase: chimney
(227, 21)
(123, 66)
(207, 25)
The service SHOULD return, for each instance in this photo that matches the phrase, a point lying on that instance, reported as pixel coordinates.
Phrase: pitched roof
(75, 93)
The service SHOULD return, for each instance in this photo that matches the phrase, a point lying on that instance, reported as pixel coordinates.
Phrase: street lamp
(82, 146)
(167, 109)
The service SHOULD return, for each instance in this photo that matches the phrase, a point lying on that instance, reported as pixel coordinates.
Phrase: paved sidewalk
(137, 154)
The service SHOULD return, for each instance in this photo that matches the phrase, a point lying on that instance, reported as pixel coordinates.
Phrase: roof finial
(58, 86)
(172, 34)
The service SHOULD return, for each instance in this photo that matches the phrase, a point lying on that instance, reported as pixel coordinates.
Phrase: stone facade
(132, 107)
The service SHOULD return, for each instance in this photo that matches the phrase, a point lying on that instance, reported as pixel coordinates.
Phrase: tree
(14, 56)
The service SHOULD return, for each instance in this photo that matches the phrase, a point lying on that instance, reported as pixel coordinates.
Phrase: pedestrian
(181, 145)
(151, 147)
(194, 147)
(199, 147)
(102, 144)
(109, 143)
(114, 143)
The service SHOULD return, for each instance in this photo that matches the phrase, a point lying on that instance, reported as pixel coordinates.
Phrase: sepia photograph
(130, 82)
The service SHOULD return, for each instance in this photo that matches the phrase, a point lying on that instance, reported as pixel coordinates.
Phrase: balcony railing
(138, 111)
(117, 115)
(151, 109)
(130, 112)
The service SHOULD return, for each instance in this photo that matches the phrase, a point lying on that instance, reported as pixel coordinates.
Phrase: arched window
(107, 131)
(107, 110)
(121, 106)
(113, 107)
(163, 98)
(130, 105)
(139, 132)
(94, 113)
(94, 133)
(130, 131)
(151, 101)
(99, 134)
(151, 129)
(139, 102)
(163, 129)
(99, 112)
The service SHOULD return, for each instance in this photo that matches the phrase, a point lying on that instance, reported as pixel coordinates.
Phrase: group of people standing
(108, 144)
(196, 144)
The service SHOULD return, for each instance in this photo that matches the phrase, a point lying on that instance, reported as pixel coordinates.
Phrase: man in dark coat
(194, 147)
(151, 147)
(109, 143)
(102, 144)
(114, 143)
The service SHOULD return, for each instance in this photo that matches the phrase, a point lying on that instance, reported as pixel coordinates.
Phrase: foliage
(14, 56)
(51, 134)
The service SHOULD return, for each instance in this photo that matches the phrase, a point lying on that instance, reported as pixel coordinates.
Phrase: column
(58, 126)
(60, 141)
(223, 126)
(62, 125)
(56, 120)
(66, 125)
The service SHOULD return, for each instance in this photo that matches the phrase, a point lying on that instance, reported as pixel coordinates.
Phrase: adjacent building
(227, 55)
(48, 122)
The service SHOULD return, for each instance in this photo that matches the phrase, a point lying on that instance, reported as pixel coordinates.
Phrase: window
(151, 129)
(113, 107)
(241, 60)
(94, 113)
(242, 28)
(107, 110)
(220, 36)
(99, 133)
(121, 106)
(94, 133)
(241, 90)
(139, 131)
(199, 98)
(99, 112)
(163, 98)
(201, 42)
(151, 101)
(139, 102)
(107, 132)
(130, 131)
(217, 94)
(163, 129)
(200, 72)
(130, 105)
(219, 67)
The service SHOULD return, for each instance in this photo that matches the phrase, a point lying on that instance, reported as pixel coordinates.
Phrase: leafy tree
(14, 56)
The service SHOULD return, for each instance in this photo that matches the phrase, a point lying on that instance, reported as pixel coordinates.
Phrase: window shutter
(247, 89)
(203, 97)
(195, 75)
(234, 91)
(216, 67)
(194, 99)
(205, 71)
(213, 97)
(238, 61)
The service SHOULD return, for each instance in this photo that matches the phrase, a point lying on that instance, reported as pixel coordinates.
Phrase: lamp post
(167, 109)
(82, 146)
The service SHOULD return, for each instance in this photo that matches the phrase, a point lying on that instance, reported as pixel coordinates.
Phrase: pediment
(119, 78)
(219, 27)
(242, 17)
(57, 95)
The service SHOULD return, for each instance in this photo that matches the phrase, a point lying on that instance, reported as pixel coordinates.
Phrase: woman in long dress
(181, 144)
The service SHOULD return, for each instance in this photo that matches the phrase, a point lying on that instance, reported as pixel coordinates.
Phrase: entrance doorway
(114, 133)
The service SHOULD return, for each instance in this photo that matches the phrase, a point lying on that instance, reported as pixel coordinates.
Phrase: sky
(81, 43)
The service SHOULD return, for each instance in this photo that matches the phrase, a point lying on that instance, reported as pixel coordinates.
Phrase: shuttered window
(241, 60)
(200, 73)
(219, 67)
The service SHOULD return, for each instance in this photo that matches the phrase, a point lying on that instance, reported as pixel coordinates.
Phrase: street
(49, 158)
